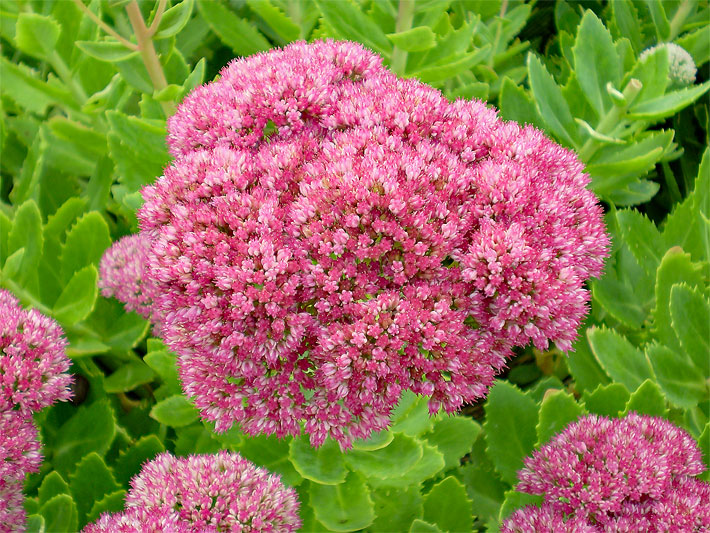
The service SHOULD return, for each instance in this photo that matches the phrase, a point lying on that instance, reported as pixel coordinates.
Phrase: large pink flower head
(33, 362)
(629, 474)
(330, 235)
(199, 493)
(19, 455)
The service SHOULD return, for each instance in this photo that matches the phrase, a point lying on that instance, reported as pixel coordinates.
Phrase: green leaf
(174, 19)
(414, 40)
(28, 183)
(37, 35)
(485, 489)
(130, 460)
(74, 441)
(90, 482)
(660, 20)
(675, 268)
(510, 428)
(111, 503)
(90, 141)
(690, 317)
(556, 411)
(643, 239)
(430, 464)
(515, 500)
(448, 507)
(627, 22)
(452, 66)
(619, 300)
(704, 445)
(375, 441)
(128, 377)
(60, 514)
(233, 31)
(35, 524)
(78, 298)
(596, 62)
(163, 363)
(516, 104)
(392, 461)
(351, 23)
(323, 465)
(26, 233)
(344, 507)
(613, 167)
(697, 43)
(551, 105)
(175, 411)
(680, 380)
(52, 484)
(668, 104)
(647, 400)
(411, 416)
(284, 27)
(273, 454)
(652, 72)
(420, 526)
(22, 85)
(453, 437)
(634, 193)
(109, 50)
(85, 244)
(618, 357)
(607, 400)
(196, 439)
(395, 509)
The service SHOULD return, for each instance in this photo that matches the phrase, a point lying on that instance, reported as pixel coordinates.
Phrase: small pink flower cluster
(622, 475)
(330, 235)
(33, 375)
(204, 493)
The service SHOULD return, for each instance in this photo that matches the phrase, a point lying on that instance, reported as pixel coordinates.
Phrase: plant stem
(147, 50)
(156, 19)
(679, 18)
(405, 16)
(611, 119)
(108, 29)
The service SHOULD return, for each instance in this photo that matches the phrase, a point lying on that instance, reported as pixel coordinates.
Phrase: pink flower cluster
(330, 235)
(621, 475)
(33, 375)
(204, 493)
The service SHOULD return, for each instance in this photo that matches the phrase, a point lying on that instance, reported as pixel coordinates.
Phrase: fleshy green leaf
(690, 317)
(78, 298)
(374, 442)
(52, 484)
(85, 244)
(36, 34)
(284, 27)
(430, 464)
(414, 40)
(485, 489)
(448, 507)
(74, 440)
(109, 50)
(596, 62)
(411, 416)
(235, 32)
(111, 503)
(24, 87)
(26, 233)
(396, 509)
(392, 461)
(453, 437)
(514, 500)
(643, 239)
(510, 428)
(175, 411)
(195, 438)
(647, 400)
(680, 380)
(556, 411)
(420, 526)
(323, 465)
(128, 377)
(551, 104)
(174, 19)
(60, 514)
(668, 104)
(619, 358)
(351, 23)
(607, 400)
(90, 482)
(344, 507)
(272, 454)
(130, 460)
(627, 22)
(704, 445)
(516, 104)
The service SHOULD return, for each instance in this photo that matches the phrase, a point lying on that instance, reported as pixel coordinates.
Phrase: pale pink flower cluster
(33, 375)
(330, 235)
(122, 274)
(616, 475)
(204, 493)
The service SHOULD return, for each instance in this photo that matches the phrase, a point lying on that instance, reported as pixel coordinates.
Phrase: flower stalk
(405, 16)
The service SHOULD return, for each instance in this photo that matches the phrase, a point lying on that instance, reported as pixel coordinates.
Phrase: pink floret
(631, 474)
(543, 519)
(330, 235)
(138, 520)
(204, 493)
(33, 363)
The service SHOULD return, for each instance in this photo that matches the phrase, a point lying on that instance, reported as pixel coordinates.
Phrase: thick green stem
(147, 50)
(610, 120)
(405, 17)
(679, 18)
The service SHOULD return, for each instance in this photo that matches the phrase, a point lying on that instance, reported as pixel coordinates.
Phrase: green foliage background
(82, 129)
